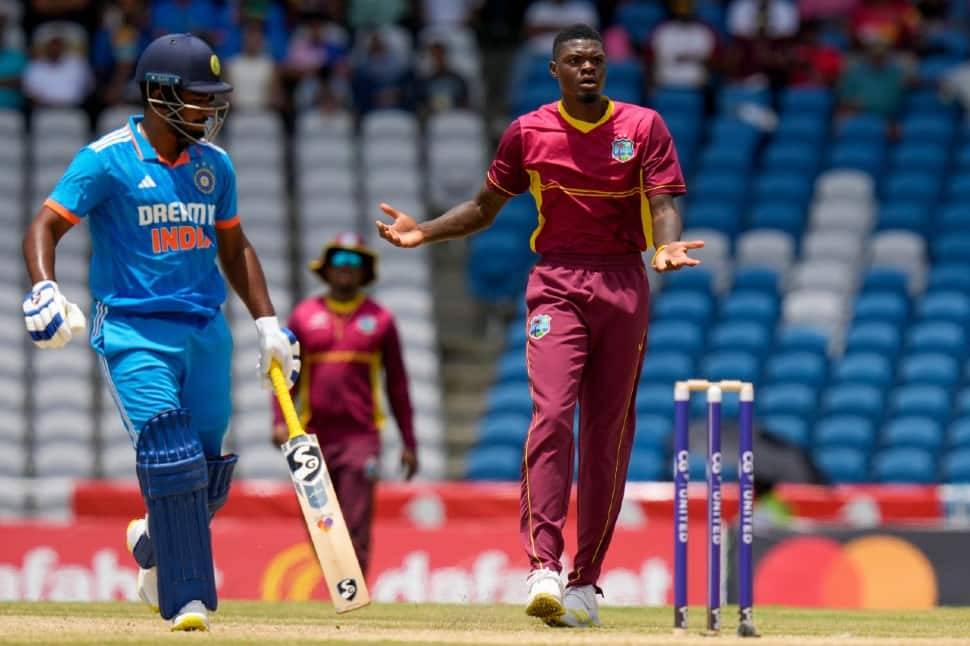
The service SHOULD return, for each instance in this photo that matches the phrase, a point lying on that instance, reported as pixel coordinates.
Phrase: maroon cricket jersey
(590, 181)
(345, 347)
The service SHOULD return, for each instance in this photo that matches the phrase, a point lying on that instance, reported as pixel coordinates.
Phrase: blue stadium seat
(665, 365)
(908, 215)
(809, 129)
(904, 466)
(927, 126)
(803, 339)
(513, 398)
(732, 97)
(862, 127)
(516, 335)
(729, 131)
(797, 156)
(873, 336)
(785, 186)
(928, 156)
(790, 429)
(882, 306)
(720, 158)
(519, 214)
(654, 431)
(936, 336)
(720, 185)
(869, 368)
(955, 218)
(756, 278)
(928, 401)
(851, 431)
(503, 429)
(786, 399)
(746, 336)
(684, 306)
(647, 465)
(698, 279)
(955, 466)
(511, 367)
(958, 188)
(962, 403)
(912, 185)
(949, 306)
(730, 365)
(857, 155)
(495, 463)
(498, 262)
(815, 101)
(951, 248)
(683, 336)
(864, 400)
(639, 18)
(750, 306)
(951, 276)
(913, 432)
(962, 157)
(932, 68)
(958, 433)
(655, 399)
(932, 368)
(797, 367)
(885, 279)
(668, 101)
(841, 464)
(784, 215)
(624, 83)
(710, 214)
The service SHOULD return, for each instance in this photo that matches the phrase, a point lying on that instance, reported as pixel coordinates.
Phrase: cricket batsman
(160, 201)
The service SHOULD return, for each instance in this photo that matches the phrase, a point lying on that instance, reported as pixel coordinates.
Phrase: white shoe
(192, 616)
(147, 578)
(545, 594)
(582, 609)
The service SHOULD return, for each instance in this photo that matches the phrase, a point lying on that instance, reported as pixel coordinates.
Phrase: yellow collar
(344, 307)
(587, 126)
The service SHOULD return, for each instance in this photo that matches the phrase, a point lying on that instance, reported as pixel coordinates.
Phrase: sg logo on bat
(347, 588)
(305, 462)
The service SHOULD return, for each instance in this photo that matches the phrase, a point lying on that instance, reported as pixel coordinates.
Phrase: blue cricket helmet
(183, 61)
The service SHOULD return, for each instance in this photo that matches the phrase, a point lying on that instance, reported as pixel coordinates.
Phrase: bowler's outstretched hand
(403, 232)
(674, 255)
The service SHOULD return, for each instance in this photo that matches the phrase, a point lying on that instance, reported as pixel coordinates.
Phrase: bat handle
(286, 402)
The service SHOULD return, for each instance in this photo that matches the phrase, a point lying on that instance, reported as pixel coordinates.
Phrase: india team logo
(539, 326)
(622, 149)
(205, 181)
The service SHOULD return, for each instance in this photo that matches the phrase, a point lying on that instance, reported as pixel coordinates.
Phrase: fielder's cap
(183, 61)
(348, 241)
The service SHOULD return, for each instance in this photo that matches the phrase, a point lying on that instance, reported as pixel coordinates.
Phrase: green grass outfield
(419, 624)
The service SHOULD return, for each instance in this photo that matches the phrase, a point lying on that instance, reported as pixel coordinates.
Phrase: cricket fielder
(160, 201)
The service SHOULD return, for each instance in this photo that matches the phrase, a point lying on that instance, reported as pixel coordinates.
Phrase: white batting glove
(280, 344)
(51, 320)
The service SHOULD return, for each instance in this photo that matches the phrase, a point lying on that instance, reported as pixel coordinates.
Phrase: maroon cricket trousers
(587, 325)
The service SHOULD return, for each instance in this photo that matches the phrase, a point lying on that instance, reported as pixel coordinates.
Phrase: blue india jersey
(152, 222)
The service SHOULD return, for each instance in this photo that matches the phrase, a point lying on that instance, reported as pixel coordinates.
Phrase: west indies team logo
(205, 180)
(622, 149)
(367, 324)
(539, 326)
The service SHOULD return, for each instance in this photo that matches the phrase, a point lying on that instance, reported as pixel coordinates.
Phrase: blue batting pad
(173, 477)
(220, 477)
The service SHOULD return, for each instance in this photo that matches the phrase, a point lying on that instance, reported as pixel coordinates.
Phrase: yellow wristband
(656, 253)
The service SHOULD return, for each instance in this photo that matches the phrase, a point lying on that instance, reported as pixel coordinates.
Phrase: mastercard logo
(876, 571)
(293, 574)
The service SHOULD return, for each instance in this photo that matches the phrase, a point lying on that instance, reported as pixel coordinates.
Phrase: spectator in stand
(442, 88)
(381, 78)
(80, 12)
(12, 60)
(253, 72)
(545, 18)
(873, 84)
(681, 50)
(316, 64)
(893, 21)
(121, 38)
(58, 73)
(363, 14)
(455, 14)
(813, 62)
(198, 17)
(763, 32)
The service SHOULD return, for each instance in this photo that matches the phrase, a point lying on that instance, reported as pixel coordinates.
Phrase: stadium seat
(766, 247)
(926, 400)
(949, 306)
(724, 185)
(847, 186)
(834, 214)
(962, 403)
(797, 367)
(874, 369)
(928, 157)
(753, 306)
(665, 365)
(913, 432)
(747, 336)
(511, 398)
(655, 399)
(756, 278)
(841, 464)
(778, 214)
(698, 279)
(684, 306)
(807, 100)
(503, 429)
(919, 185)
(786, 399)
(684, 336)
(958, 433)
(881, 306)
(814, 307)
(802, 128)
(929, 128)
(647, 465)
(495, 463)
(936, 336)
(864, 400)
(885, 279)
(955, 466)
(793, 186)
(873, 336)
(801, 156)
(639, 18)
(851, 431)
(839, 246)
(803, 339)
(511, 367)
(931, 368)
(668, 101)
(951, 248)
(827, 274)
(955, 217)
(905, 214)
(862, 128)
(725, 158)
(654, 431)
(790, 429)
(865, 157)
(730, 131)
(720, 216)
(730, 365)
(904, 465)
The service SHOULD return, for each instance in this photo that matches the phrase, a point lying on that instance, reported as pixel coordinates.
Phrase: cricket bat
(321, 510)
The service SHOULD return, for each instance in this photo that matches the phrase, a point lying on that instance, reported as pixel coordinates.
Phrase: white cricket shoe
(147, 578)
(545, 594)
(582, 609)
(192, 616)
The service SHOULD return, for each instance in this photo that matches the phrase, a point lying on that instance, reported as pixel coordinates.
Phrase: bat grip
(286, 402)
